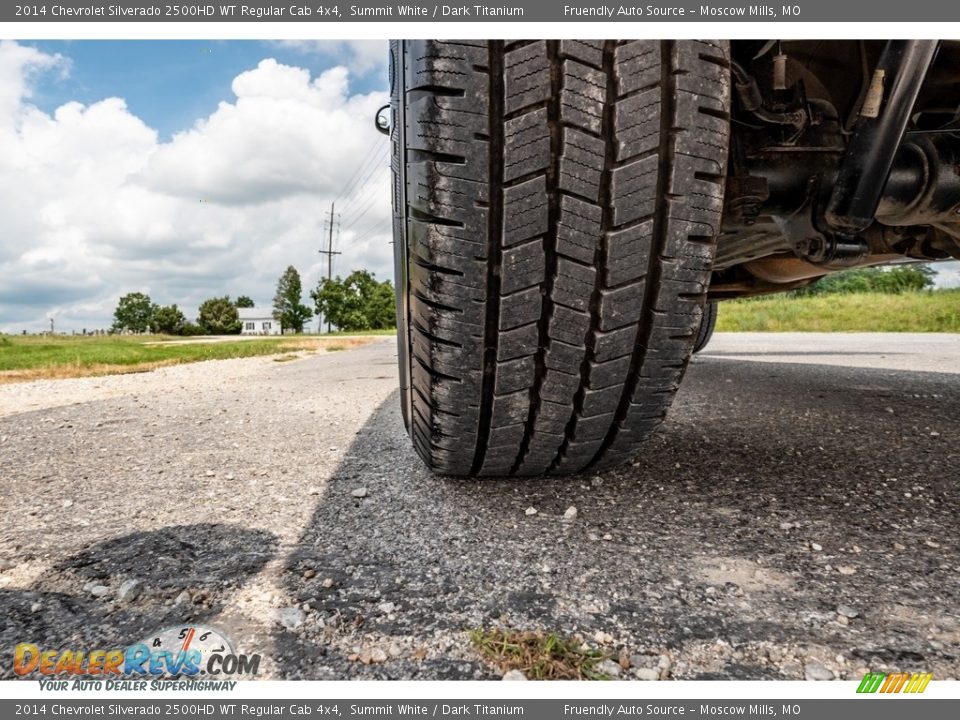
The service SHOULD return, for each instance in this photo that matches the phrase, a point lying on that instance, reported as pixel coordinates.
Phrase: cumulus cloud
(363, 56)
(284, 134)
(17, 64)
(94, 205)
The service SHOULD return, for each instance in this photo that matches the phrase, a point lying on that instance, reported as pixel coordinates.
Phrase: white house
(257, 321)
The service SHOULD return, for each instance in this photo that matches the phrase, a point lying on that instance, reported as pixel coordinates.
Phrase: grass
(336, 333)
(539, 656)
(925, 311)
(33, 357)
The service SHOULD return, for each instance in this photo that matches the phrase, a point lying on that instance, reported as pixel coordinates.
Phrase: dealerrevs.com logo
(887, 683)
(186, 652)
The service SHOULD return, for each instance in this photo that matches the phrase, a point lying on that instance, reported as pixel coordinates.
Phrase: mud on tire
(556, 206)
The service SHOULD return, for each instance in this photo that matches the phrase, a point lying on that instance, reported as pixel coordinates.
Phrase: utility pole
(329, 252)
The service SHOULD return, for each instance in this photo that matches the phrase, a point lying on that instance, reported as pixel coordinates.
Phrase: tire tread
(563, 200)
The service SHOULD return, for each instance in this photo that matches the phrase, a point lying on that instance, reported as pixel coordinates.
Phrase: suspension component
(871, 151)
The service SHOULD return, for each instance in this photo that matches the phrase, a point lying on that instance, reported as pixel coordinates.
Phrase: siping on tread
(562, 199)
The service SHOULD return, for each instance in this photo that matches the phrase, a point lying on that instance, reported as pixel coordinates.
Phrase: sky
(187, 170)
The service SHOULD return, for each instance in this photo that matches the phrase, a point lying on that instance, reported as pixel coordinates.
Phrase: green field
(375, 333)
(28, 357)
(923, 311)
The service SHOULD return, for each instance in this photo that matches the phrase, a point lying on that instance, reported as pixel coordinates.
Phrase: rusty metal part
(745, 196)
(922, 187)
(780, 269)
(780, 72)
(924, 184)
(943, 239)
(831, 250)
(751, 99)
(749, 286)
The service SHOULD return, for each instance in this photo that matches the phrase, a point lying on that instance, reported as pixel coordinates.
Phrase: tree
(897, 279)
(133, 313)
(219, 316)
(288, 310)
(244, 301)
(382, 306)
(168, 320)
(358, 302)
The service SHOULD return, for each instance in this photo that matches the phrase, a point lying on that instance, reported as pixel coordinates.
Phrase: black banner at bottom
(872, 707)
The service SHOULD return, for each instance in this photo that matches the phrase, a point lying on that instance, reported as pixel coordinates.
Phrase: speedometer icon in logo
(196, 643)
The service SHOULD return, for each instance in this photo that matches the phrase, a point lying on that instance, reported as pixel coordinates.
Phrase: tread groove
(494, 229)
(550, 247)
(600, 258)
(660, 219)
(417, 155)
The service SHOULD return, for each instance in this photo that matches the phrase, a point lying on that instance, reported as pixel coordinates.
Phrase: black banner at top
(326, 11)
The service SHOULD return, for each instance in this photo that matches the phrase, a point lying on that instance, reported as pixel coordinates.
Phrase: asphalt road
(796, 516)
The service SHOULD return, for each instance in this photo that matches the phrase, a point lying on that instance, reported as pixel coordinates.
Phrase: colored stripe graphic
(918, 682)
(870, 683)
(894, 682)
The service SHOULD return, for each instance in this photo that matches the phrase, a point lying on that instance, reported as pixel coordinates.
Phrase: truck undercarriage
(843, 154)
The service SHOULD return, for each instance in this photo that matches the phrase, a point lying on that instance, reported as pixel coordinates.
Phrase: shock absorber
(866, 164)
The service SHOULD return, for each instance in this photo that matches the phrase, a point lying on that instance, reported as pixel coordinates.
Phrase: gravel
(847, 611)
(769, 437)
(814, 670)
(130, 590)
(609, 668)
(371, 656)
(290, 617)
(18, 398)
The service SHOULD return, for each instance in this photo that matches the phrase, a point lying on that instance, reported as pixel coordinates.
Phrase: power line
(365, 204)
(374, 229)
(370, 204)
(375, 224)
(374, 171)
(356, 210)
(374, 163)
(371, 151)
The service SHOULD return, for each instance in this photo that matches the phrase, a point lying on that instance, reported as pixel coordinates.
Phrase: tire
(556, 205)
(707, 325)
